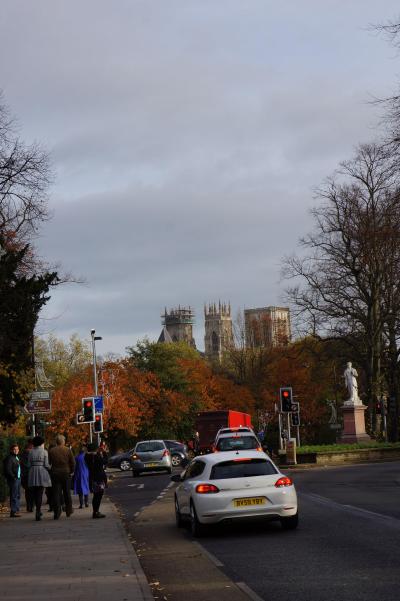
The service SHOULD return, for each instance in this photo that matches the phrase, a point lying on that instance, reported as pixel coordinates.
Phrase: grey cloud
(186, 137)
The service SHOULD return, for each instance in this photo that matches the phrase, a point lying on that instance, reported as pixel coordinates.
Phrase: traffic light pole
(94, 338)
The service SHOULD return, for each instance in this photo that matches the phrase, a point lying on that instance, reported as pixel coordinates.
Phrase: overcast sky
(186, 138)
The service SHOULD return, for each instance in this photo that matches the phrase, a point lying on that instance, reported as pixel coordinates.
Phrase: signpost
(39, 402)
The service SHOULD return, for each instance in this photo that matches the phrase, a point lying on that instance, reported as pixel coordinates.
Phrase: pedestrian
(96, 462)
(29, 501)
(62, 467)
(81, 478)
(38, 477)
(12, 473)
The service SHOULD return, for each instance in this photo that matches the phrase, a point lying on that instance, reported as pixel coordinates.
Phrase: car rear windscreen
(242, 468)
(235, 443)
(146, 447)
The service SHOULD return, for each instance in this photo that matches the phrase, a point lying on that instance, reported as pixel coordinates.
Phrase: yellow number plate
(250, 501)
(151, 464)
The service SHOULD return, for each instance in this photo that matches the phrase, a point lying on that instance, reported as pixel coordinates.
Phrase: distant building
(178, 326)
(267, 327)
(218, 330)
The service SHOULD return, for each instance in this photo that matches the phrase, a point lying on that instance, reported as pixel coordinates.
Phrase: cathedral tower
(218, 330)
(178, 326)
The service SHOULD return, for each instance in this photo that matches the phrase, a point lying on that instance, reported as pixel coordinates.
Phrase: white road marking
(388, 519)
(248, 591)
(210, 556)
(141, 486)
(130, 485)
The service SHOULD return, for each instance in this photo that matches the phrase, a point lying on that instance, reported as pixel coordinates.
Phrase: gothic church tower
(218, 330)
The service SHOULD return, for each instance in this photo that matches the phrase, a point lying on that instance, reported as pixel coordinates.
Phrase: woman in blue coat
(81, 478)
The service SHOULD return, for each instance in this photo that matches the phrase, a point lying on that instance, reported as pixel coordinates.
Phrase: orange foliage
(215, 391)
(66, 403)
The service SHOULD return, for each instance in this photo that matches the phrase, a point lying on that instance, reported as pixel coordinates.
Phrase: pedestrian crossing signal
(98, 423)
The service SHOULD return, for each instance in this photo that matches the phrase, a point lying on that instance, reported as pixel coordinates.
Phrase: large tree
(22, 297)
(24, 280)
(345, 276)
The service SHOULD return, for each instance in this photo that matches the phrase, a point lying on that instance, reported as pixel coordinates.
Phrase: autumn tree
(128, 395)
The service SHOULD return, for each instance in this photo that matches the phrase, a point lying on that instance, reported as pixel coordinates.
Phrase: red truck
(208, 423)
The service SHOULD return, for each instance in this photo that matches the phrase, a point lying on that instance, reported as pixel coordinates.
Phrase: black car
(121, 460)
(178, 452)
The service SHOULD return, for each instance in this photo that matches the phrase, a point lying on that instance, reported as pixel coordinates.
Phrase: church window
(215, 342)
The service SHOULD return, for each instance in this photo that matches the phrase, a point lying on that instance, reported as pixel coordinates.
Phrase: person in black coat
(24, 476)
(12, 473)
(96, 460)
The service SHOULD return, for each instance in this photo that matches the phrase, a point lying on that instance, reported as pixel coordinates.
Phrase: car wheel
(135, 473)
(291, 522)
(178, 515)
(125, 465)
(176, 460)
(197, 529)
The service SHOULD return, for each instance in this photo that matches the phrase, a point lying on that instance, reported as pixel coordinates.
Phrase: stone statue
(333, 417)
(350, 377)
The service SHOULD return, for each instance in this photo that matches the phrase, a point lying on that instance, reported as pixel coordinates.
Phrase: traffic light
(295, 419)
(98, 423)
(88, 410)
(286, 395)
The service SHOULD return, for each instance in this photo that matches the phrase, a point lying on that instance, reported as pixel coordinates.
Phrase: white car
(233, 430)
(234, 486)
(237, 441)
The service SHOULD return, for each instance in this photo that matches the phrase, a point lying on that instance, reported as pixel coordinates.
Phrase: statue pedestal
(354, 424)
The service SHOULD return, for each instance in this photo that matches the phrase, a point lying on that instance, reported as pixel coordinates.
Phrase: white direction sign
(39, 402)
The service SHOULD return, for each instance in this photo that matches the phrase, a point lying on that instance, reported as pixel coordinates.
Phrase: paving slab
(70, 559)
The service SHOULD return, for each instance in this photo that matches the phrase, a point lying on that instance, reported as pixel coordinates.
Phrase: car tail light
(204, 489)
(258, 448)
(284, 481)
(166, 453)
(134, 456)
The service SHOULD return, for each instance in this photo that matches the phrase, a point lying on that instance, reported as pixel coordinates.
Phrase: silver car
(150, 456)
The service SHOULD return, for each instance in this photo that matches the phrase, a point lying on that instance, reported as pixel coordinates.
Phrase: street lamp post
(94, 338)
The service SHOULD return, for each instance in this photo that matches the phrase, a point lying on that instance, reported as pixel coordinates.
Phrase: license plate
(248, 502)
(151, 464)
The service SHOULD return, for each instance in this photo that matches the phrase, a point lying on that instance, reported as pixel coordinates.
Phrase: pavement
(70, 559)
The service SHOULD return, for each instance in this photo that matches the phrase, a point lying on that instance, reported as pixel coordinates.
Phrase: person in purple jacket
(81, 478)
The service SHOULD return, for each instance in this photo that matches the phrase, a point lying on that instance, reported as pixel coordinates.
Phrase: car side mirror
(176, 478)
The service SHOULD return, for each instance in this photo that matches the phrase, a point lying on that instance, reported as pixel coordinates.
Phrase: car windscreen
(242, 468)
(235, 443)
(146, 447)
